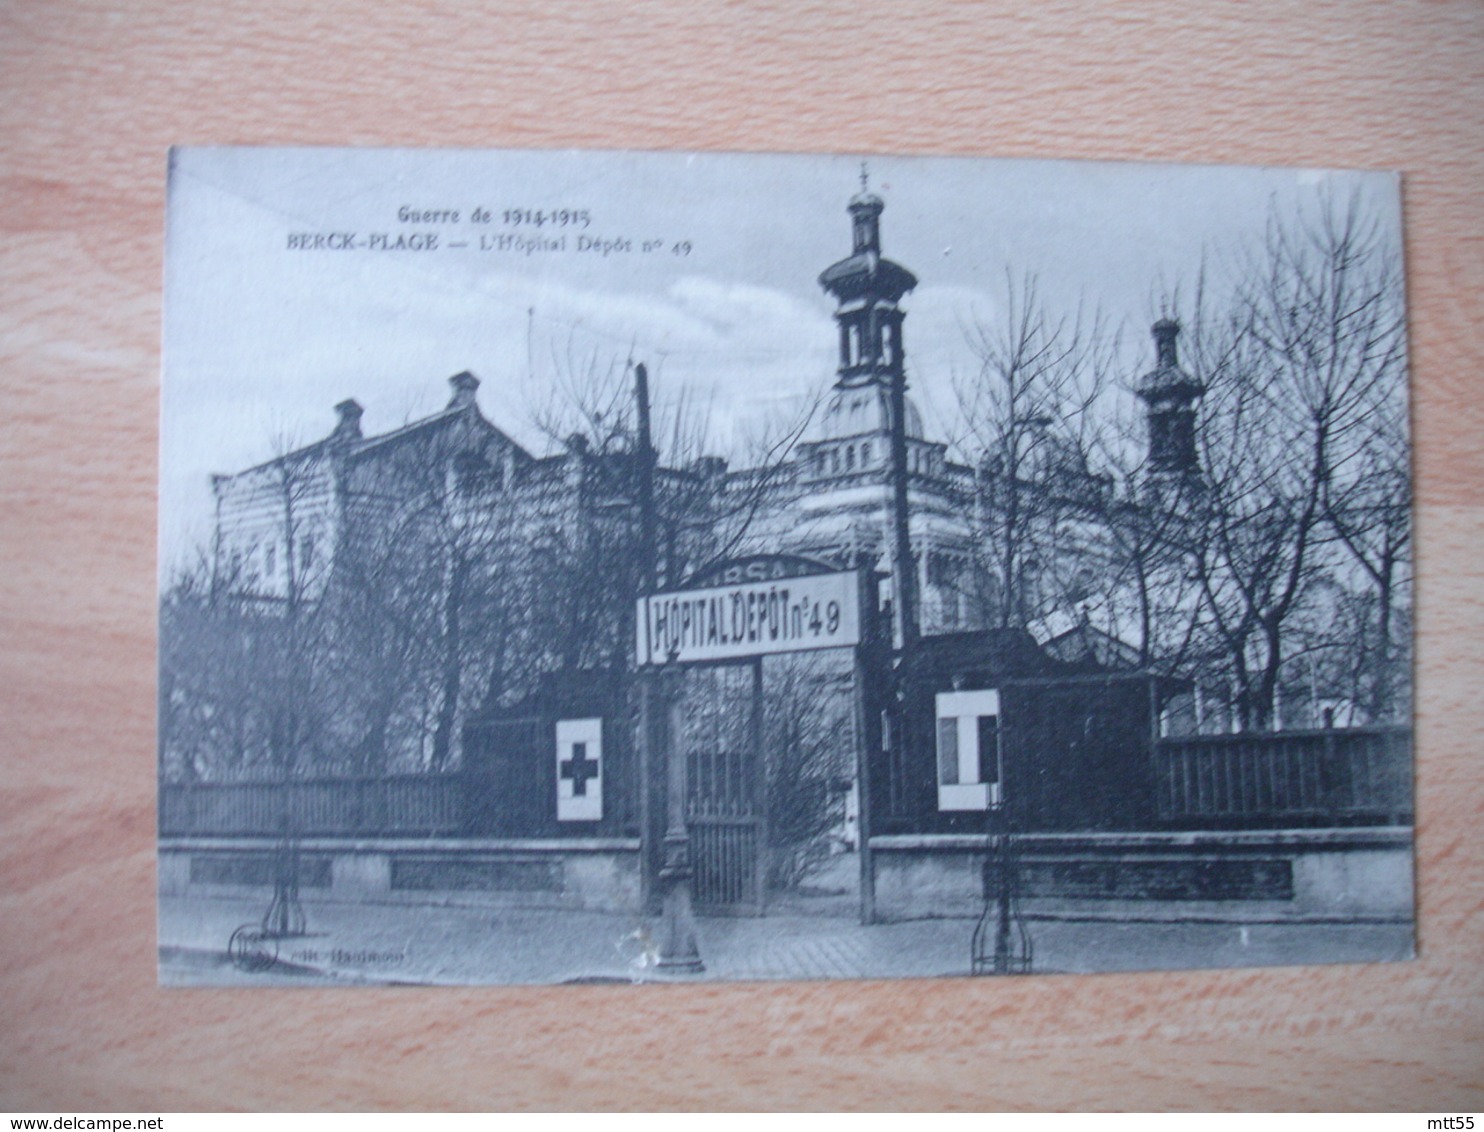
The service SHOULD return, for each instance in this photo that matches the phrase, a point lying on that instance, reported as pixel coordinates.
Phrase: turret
(868, 289)
(1170, 395)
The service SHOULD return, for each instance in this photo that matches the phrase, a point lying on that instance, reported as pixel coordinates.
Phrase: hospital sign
(750, 619)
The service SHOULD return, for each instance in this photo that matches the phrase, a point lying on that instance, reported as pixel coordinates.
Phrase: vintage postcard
(635, 567)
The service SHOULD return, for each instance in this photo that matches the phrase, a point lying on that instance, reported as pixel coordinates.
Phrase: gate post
(678, 950)
(868, 716)
(759, 783)
(651, 787)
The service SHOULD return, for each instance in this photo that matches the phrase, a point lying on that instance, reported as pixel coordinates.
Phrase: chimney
(348, 427)
(464, 386)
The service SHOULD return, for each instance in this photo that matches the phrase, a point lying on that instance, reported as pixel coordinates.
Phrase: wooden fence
(393, 806)
(1349, 776)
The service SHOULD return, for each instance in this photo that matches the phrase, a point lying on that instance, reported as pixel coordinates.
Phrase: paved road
(469, 943)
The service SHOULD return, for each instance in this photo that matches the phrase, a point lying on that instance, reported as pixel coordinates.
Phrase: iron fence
(372, 806)
(1348, 776)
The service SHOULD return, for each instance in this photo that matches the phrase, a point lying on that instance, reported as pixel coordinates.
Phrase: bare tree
(417, 599)
(1029, 412)
(810, 760)
(207, 719)
(368, 593)
(1149, 595)
(706, 511)
(1367, 499)
(240, 634)
(1300, 376)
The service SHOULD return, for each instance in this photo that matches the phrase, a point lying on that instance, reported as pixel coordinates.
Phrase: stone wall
(590, 874)
(1349, 874)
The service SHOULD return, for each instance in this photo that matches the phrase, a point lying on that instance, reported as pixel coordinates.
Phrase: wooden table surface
(90, 97)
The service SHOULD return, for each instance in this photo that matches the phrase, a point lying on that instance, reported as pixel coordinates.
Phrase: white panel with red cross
(579, 755)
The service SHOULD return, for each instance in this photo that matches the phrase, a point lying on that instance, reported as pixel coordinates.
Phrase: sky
(703, 266)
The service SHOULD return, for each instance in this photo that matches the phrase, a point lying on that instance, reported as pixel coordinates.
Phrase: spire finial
(865, 177)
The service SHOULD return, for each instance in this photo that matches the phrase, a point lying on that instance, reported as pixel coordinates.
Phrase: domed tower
(853, 432)
(868, 290)
(871, 384)
(1170, 394)
(864, 491)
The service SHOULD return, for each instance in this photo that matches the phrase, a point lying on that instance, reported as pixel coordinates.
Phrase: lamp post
(678, 951)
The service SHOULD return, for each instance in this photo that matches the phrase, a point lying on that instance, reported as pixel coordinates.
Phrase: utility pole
(651, 777)
(647, 520)
(661, 764)
(903, 568)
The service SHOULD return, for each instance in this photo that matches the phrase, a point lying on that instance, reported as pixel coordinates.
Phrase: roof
(355, 446)
(371, 443)
(987, 656)
(863, 409)
(1164, 380)
(867, 272)
(1087, 645)
(1167, 377)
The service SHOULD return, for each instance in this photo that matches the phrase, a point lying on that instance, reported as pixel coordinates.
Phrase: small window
(850, 458)
(866, 454)
(948, 752)
(942, 569)
(270, 559)
(989, 748)
(474, 474)
(306, 552)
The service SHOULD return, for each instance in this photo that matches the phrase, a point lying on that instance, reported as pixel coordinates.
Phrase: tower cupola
(865, 215)
(1169, 395)
(868, 290)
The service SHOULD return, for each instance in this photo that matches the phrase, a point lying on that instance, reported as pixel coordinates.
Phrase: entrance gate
(728, 838)
(726, 792)
(710, 763)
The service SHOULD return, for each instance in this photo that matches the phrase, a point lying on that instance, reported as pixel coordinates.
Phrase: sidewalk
(453, 944)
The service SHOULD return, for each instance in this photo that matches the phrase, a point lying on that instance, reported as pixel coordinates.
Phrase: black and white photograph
(620, 567)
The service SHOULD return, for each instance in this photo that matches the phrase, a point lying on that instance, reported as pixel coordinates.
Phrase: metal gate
(726, 833)
(725, 794)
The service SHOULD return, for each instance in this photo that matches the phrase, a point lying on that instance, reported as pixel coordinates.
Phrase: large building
(501, 565)
(441, 599)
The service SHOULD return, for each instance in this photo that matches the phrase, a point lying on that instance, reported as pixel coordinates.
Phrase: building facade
(495, 565)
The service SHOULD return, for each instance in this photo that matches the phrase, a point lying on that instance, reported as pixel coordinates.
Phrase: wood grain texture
(90, 97)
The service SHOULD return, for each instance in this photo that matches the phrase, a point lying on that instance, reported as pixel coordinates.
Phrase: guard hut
(551, 799)
(990, 716)
(989, 721)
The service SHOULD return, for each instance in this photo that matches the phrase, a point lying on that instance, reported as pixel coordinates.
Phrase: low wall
(1341, 874)
(593, 874)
